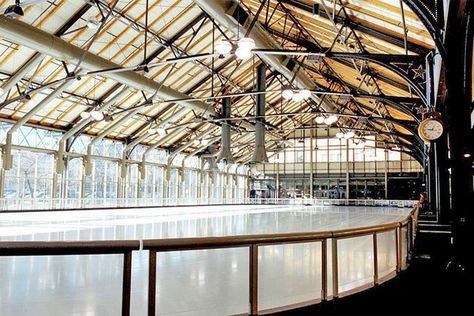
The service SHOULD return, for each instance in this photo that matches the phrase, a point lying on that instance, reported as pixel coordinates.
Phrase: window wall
(33, 174)
(30, 177)
(337, 168)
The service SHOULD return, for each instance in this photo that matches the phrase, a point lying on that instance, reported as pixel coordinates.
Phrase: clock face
(430, 129)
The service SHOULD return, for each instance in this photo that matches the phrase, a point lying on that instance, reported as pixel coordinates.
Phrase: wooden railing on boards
(252, 242)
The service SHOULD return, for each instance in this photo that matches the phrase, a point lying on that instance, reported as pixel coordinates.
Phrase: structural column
(459, 46)
(348, 187)
(385, 173)
(260, 154)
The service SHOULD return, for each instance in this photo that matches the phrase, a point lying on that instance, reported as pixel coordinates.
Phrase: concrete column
(54, 187)
(2, 182)
(180, 192)
(83, 181)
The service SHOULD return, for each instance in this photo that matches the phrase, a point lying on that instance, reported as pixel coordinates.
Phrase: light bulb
(287, 94)
(242, 53)
(297, 97)
(305, 93)
(349, 135)
(92, 23)
(152, 130)
(339, 135)
(246, 43)
(327, 121)
(223, 47)
(319, 119)
(85, 115)
(331, 119)
(97, 115)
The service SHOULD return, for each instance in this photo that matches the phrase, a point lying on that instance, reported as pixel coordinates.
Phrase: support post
(126, 283)
(335, 272)
(260, 153)
(152, 283)
(376, 261)
(253, 279)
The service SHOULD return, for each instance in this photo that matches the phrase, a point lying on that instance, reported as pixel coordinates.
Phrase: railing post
(409, 247)
(324, 270)
(126, 283)
(151, 283)
(398, 248)
(253, 279)
(335, 276)
(376, 261)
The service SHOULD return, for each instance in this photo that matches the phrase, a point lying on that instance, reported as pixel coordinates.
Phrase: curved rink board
(204, 282)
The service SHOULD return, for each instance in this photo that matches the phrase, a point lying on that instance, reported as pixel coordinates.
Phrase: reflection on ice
(170, 222)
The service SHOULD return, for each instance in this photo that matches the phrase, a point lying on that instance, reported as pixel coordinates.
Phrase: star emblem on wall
(421, 110)
(419, 72)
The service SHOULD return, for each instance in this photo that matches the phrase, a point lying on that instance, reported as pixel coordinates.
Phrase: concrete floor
(205, 282)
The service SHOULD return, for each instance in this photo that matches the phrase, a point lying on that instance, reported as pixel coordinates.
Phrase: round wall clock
(430, 129)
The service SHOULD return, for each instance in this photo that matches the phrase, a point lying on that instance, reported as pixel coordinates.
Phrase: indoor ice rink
(235, 157)
(207, 282)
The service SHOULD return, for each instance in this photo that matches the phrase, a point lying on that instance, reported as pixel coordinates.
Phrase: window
(31, 175)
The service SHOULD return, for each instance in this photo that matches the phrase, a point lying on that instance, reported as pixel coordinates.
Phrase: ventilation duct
(27, 35)
(225, 153)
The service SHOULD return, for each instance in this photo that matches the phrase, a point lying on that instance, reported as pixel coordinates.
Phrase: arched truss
(403, 84)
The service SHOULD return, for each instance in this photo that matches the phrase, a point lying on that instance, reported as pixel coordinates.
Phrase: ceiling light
(467, 155)
(196, 142)
(152, 130)
(92, 23)
(305, 93)
(297, 97)
(349, 135)
(330, 120)
(205, 142)
(97, 115)
(85, 115)
(246, 43)
(287, 94)
(339, 135)
(319, 119)
(242, 53)
(223, 47)
(14, 11)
